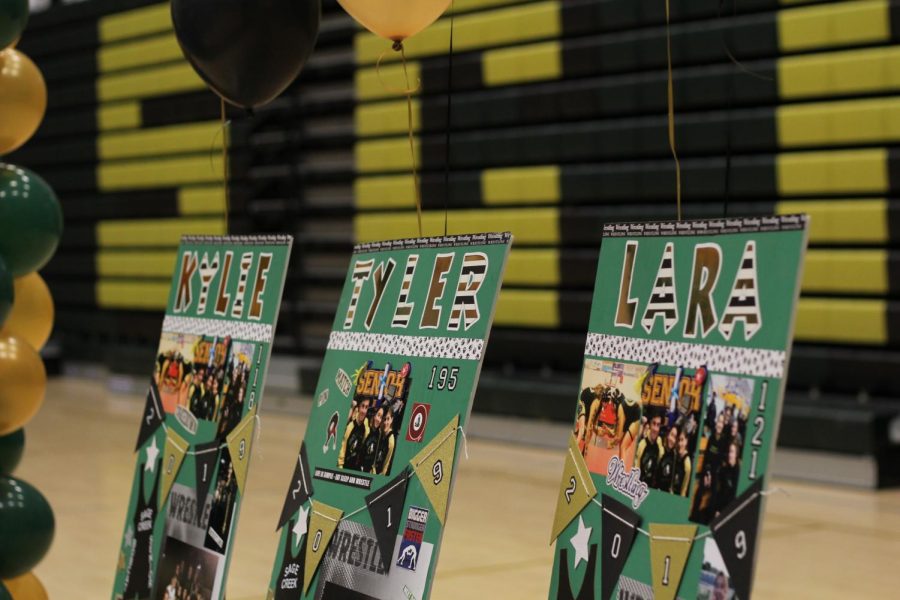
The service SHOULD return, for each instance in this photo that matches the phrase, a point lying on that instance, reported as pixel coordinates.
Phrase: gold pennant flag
(239, 442)
(670, 546)
(176, 447)
(434, 467)
(323, 520)
(575, 490)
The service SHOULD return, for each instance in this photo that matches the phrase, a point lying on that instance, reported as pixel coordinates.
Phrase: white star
(152, 453)
(300, 528)
(580, 541)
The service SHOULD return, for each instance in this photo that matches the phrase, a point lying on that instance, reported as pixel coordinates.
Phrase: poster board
(678, 409)
(366, 504)
(197, 428)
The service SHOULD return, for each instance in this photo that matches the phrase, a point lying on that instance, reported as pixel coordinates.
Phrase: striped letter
(361, 272)
(465, 303)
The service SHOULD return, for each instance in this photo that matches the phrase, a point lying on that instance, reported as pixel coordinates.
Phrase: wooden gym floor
(817, 542)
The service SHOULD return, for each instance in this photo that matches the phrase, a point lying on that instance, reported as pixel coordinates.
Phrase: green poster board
(366, 505)
(198, 424)
(678, 409)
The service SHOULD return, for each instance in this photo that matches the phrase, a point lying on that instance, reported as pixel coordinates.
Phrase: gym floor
(818, 542)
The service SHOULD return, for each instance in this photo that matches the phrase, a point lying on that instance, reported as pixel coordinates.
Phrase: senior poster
(197, 428)
(366, 505)
(678, 409)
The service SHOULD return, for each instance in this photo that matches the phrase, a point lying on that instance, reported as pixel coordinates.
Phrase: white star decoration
(300, 528)
(580, 541)
(152, 453)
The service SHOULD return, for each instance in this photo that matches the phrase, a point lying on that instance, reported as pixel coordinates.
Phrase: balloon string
(412, 149)
(225, 167)
(671, 102)
(447, 141)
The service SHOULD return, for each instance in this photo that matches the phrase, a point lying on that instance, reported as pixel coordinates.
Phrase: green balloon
(13, 18)
(6, 290)
(30, 220)
(12, 445)
(26, 527)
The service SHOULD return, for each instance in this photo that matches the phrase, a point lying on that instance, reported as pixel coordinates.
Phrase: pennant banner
(152, 416)
(620, 525)
(575, 489)
(735, 531)
(205, 458)
(300, 489)
(173, 455)
(386, 510)
(433, 466)
(670, 546)
(323, 520)
(239, 443)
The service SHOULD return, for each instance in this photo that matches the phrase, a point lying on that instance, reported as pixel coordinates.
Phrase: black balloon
(247, 51)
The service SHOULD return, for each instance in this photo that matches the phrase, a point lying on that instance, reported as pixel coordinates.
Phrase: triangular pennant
(239, 442)
(323, 520)
(205, 458)
(300, 490)
(575, 490)
(619, 526)
(152, 416)
(434, 467)
(290, 572)
(386, 509)
(176, 447)
(735, 532)
(670, 546)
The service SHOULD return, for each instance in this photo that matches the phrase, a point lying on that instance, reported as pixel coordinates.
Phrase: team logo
(343, 382)
(323, 397)
(416, 430)
(411, 544)
(331, 437)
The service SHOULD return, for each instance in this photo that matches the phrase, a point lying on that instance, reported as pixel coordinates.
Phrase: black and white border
(407, 345)
(706, 227)
(451, 241)
(239, 330)
(721, 359)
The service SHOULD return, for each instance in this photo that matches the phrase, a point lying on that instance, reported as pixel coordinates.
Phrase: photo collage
(683, 430)
(208, 378)
(372, 427)
(673, 425)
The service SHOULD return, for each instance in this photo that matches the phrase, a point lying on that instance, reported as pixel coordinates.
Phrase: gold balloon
(23, 99)
(395, 19)
(23, 382)
(26, 587)
(31, 317)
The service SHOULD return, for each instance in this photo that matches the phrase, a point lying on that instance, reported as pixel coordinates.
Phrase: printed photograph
(221, 512)
(609, 412)
(372, 428)
(669, 427)
(728, 403)
(186, 572)
(715, 584)
(205, 375)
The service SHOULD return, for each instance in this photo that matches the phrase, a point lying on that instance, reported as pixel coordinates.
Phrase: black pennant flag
(735, 532)
(206, 456)
(619, 528)
(300, 490)
(386, 508)
(289, 584)
(152, 417)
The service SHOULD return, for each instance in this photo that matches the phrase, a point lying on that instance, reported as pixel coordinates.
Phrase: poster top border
(442, 241)
(696, 227)
(244, 240)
